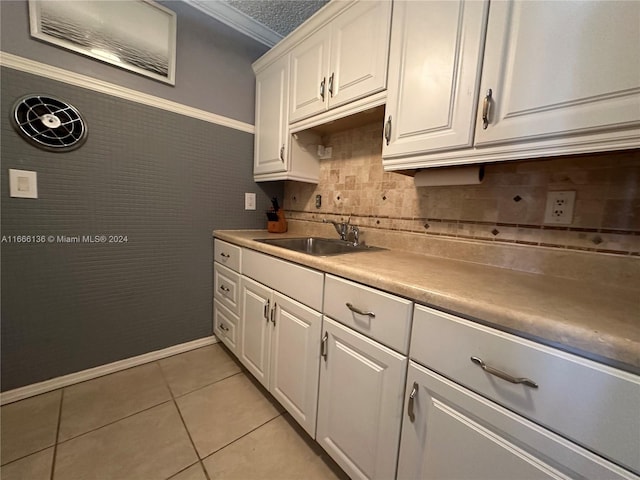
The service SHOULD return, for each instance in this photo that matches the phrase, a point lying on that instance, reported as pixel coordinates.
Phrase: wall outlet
(249, 201)
(23, 183)
(559, 209)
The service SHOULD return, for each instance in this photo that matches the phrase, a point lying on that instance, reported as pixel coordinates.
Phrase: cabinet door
(456, 434)
(560, 68)
(433, 75)
(272, 118)
(295, 358)
(359, 52)
(309, 66)
(360, 403)
(255, 340)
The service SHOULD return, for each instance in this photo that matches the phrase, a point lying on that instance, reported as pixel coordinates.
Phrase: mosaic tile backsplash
(508, 206)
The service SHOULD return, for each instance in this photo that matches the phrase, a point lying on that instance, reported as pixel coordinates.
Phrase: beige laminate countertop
(592, 320)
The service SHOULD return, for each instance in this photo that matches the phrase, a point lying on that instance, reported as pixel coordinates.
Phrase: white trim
(237, 20)
(72, 78)
(91, 373)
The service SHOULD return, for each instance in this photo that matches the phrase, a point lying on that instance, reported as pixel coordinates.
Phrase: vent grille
(49, 123)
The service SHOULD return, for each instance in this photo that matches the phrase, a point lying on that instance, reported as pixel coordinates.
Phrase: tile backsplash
(508, 206)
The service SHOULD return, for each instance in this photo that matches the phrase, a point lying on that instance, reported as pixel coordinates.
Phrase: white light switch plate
(23, 183)
(249, 201)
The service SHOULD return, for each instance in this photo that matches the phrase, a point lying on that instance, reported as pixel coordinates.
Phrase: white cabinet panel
(255, 342)
(343, 61)
(360, 403)
(457, 434)
(227, 254)
(226, 287)
(359, 52)
(309, 66)
(433, 75)
(271, 141)
(592, 404)
(225, 326)
(295, 354)
(560, 68)
(385, 317)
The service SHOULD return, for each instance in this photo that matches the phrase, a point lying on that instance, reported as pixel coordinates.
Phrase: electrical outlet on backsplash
(507, 207)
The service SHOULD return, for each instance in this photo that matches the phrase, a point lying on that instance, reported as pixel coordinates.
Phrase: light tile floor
(193, 416)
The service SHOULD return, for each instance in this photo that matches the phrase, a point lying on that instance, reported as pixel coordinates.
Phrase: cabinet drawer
(226, 287)
(227, 254)
(385, 318)
(225, 326)
(592, 404)
(300, 283)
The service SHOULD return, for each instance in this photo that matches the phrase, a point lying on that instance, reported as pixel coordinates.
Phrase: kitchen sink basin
(318, 246)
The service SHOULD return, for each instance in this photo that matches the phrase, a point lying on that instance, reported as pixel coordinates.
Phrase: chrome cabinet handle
(324, 346)
(225, 255)
(223, 328)
(282, 153)
(322, 88)
(358, 311)
(485, 109)
(503, 375)
(224, 289)
(412, 396)
(273, 312)
(331, 84)
(387, 130)
(265, 310)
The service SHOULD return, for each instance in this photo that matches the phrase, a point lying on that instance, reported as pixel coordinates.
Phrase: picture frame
(137, 35)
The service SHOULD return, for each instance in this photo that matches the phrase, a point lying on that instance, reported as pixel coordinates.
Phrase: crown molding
(237, 20)
(54, 73)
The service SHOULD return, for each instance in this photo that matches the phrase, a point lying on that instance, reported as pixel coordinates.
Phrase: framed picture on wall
(137, 35)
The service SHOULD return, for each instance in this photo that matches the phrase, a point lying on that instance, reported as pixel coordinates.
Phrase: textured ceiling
(281, 16)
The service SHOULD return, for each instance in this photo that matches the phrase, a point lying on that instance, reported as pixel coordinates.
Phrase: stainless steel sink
(321, 247)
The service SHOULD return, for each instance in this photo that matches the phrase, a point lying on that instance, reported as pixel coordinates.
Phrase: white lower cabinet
(360, 402)
(225, 326)
(450, 432)
(280, 345)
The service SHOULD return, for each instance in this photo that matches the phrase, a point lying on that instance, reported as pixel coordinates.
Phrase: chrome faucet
(341, 227)
(344, 229)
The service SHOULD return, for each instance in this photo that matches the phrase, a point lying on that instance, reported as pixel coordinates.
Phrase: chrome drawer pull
(225, 255)
(412, 396)
(324, 346)
(358, 311)
(485, 109)
(223, 328)
(505, 376)
(224, 289)
(265, 310)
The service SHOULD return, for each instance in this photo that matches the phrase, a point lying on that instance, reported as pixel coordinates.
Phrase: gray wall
(164, 180)
(213, 66)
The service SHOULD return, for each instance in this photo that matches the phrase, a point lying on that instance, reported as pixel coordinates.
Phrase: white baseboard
(77, 377)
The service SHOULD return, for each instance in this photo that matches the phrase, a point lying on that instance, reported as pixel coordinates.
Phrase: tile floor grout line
(55, 444)
(203, 386)
(244, 435)
(115, 421)
(186, 429)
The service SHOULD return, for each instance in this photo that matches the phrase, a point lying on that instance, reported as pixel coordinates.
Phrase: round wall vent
(49, 123)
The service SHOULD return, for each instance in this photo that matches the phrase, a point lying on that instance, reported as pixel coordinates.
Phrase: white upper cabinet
(433, 75)
(556, 78)
(560, 68)
(271, 142)
(341, 62)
